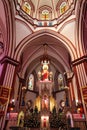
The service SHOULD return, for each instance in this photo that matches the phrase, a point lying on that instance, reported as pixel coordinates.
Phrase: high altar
(45, 101)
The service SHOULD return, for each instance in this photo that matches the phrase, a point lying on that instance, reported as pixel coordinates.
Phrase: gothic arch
(27, 41)
(83, 31)
(10, 26)
(79, 32)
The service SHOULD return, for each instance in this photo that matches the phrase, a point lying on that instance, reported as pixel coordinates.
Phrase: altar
(40, 113)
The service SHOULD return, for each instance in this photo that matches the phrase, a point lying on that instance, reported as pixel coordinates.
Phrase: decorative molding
(45, 7)
(79, 60)
(39, 23)
(58, 91)
(9, 60)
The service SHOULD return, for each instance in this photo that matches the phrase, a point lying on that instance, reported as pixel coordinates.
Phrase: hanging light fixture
(44, 74)
(45, 60)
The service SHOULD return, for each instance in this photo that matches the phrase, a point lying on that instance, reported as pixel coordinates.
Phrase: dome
(44, 10)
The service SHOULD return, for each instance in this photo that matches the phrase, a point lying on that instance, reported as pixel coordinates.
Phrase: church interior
(43, 65)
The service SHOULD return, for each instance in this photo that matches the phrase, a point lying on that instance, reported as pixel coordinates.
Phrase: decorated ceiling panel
(32, 9)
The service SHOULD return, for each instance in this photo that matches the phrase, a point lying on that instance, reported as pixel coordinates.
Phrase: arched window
(63, 7)
(45, 15)
(19, 1)
(26, 7)
(31, 82)
(60, 81)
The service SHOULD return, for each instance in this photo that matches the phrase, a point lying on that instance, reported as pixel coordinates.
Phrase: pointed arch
(9, 26)
(26, 41)
(81, 6)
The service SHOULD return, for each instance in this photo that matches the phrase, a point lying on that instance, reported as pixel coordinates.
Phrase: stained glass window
(31, 82)
(19, 1)
(63, 7)
(60, 81)
(45, 15)
(26, 7)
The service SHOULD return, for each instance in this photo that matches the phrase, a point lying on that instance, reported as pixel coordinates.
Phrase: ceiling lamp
(45, 74)
(45, 60)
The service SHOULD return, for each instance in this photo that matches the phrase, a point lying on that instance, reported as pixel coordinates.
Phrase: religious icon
(45, 73)
(45, 102)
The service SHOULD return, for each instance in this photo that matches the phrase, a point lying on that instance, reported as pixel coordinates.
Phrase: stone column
(7, 81)
(80, 71)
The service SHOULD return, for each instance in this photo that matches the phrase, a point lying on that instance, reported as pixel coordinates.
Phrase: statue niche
(45, 102)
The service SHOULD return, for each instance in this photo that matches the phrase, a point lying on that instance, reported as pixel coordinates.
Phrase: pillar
(80, 71)
(7, 79)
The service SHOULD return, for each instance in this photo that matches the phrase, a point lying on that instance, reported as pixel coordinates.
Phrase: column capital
(79, 60)
(9, 60)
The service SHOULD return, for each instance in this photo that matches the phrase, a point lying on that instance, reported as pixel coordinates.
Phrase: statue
(45, 73)
(21, 119)
(31, 82)
(29, 108)
(45, 102)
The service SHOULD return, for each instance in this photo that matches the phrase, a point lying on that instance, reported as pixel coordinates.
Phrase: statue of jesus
(45, 73)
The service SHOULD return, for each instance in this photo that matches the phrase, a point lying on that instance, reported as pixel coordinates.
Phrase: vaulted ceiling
(34, 50)
(56, 50)
(28, 39)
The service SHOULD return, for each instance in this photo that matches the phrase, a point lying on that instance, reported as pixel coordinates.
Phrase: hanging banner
(84, 92)
(4, 95)
(78, 116)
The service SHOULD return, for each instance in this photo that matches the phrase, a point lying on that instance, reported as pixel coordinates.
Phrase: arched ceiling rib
(36, 64)
(40, 3)
(32, 52)
(55, 48)
(55, 59)
(50, 35)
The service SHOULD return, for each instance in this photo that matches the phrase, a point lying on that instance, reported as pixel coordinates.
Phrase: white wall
(22, 31)
(69, 31)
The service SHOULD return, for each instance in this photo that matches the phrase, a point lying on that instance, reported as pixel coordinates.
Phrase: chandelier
(45, 60)
(45, 74)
